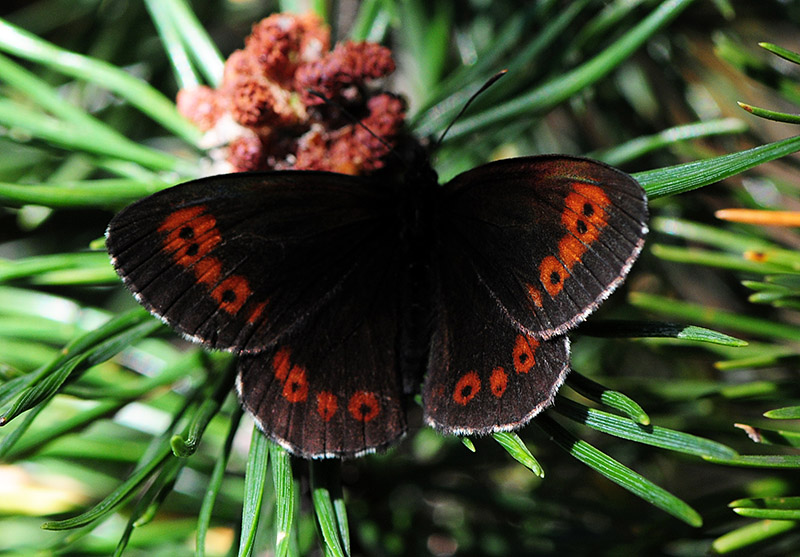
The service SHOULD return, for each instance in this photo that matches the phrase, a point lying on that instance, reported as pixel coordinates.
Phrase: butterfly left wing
(237, 260)
(485, 373)
(299, 273)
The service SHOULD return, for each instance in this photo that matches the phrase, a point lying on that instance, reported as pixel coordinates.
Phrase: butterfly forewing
(236, 261)
(550, 236)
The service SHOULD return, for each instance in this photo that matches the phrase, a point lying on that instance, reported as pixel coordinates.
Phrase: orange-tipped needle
(753, 216)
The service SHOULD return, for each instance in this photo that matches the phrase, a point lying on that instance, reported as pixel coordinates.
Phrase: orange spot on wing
(580, 216)
(535, 295)
(326, 405)
(552, 274)
(281, 364)
(295, 389)
(177, 219)
(584, 212)
(363, 406)
(498, 381)
(570, 251)
(256, 313)
(208, 270)
(292, 377)
(524, 353)
(232, 293)
(191, 234)
(467, 388)
(191, 252)
(594, 193)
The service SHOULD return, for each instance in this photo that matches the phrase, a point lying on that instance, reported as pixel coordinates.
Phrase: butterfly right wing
(527, 249)
(549, 236)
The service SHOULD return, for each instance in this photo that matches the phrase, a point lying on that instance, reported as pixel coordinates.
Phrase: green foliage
(140, 445)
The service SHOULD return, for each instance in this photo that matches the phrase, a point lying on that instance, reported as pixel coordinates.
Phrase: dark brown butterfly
(342, 294)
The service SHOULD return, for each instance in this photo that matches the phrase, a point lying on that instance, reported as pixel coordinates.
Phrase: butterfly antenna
(474, 96)
(357, 122)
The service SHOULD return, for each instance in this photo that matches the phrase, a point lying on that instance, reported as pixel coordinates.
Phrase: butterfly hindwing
(485, 373)
(236, 261)
(333, 386)
(549, 236)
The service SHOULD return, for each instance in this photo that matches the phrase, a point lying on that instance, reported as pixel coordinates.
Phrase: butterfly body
(342, 294)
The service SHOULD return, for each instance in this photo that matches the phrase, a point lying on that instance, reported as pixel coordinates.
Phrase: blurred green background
(643, 85)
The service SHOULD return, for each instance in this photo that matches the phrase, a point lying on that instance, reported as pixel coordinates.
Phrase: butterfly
(342, 295)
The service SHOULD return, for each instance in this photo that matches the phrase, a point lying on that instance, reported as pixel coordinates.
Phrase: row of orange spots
(191, 235)
(362, 405)
(523, 357)
(584, 217)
